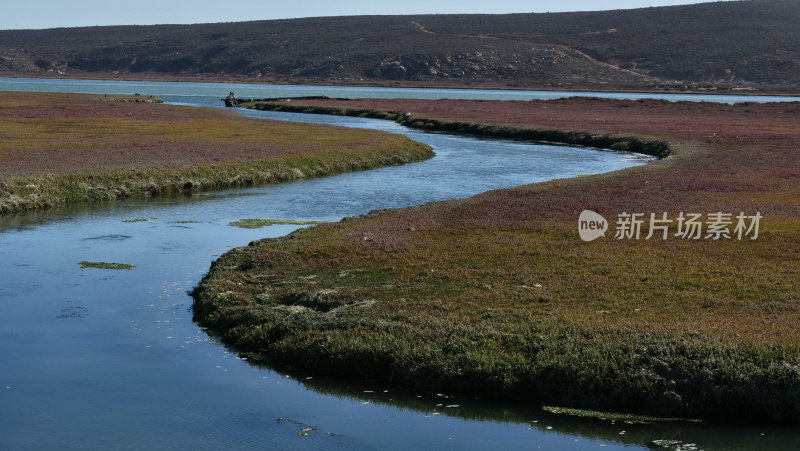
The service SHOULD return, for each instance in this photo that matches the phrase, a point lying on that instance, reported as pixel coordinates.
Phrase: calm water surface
(107, 359)
(266, 91)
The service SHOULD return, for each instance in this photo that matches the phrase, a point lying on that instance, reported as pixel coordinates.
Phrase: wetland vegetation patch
(258, 223)
(497, 296)
(60, 148)
(613, 416)
(106, 265)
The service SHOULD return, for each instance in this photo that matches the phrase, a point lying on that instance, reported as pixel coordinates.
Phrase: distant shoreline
(212, 78)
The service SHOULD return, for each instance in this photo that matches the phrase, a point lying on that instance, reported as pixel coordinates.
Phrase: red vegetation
(497, 296)
(58, 133)
(754, 147)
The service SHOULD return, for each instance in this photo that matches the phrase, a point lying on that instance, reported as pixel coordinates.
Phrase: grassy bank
(496, 296)
(653, 147)
(63, 148)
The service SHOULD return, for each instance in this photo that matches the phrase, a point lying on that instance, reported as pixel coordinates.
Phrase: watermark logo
(684, 226)
(591, 225)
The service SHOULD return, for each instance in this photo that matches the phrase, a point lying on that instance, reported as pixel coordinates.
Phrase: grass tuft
(614, 416)
(105, 265)
(258, 223)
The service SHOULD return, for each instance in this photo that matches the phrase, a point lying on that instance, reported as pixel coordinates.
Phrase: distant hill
(745, 44)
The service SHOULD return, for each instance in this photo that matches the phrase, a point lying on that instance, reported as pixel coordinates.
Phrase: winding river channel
(104, 359)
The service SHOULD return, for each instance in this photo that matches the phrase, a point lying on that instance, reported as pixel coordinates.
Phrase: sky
(25, 14)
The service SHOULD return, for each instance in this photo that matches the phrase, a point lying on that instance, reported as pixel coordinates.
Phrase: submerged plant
(258, 223)
(105, 265)
(613, 416)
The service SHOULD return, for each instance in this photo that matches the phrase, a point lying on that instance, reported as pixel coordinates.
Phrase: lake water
(103, 359)
(249, 90)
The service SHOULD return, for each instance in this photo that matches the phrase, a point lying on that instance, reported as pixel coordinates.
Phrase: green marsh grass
(613, 416)
(258, 223)
(105, 265)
